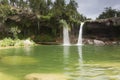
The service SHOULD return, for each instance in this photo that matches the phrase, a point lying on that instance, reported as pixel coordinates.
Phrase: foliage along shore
(11, 43)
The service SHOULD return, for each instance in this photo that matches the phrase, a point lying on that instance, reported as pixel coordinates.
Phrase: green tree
(43, 14)
(58, 9)
(108, 13)
(12, 2)
(4, 12)
(3, 2)
(15, 31)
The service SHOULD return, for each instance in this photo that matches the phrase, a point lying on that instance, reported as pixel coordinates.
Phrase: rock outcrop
(103, 29)
(100, 42)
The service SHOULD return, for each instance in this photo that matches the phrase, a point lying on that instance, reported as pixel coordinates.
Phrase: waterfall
(80, 34)
(66, 40)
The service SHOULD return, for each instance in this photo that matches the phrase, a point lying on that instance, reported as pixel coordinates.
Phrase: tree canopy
(47, 14)
(108, 13)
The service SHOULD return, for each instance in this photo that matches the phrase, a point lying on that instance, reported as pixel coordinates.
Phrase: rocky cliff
(103, 29)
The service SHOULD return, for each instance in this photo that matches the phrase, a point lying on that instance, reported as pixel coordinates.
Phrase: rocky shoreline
(100, 42)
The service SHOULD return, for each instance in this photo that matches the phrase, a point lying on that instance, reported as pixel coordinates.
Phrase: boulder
(37, 76)
(99, 43)
(28, 42)
(90, 42)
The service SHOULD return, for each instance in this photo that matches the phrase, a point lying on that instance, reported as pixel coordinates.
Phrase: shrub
(26, 42)
(17, 42)
(6, 42)
(15, 31)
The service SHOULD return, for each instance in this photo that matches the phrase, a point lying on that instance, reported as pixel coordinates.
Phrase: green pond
(75, 62)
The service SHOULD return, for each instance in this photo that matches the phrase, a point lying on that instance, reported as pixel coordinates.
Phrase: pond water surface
(76, 62)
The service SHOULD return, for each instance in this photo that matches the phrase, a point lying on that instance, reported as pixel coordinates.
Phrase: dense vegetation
(109, 12)
(42, 20)
(38, 19)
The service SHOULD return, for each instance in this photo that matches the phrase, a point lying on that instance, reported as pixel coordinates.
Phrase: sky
(92, 8)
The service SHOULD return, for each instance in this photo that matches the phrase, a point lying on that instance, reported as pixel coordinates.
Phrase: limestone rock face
(103, 29)
(37, 76)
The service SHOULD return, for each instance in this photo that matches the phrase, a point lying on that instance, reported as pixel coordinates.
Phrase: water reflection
(27, 50)
(66, 58)
(66, 53)
(73, 70)
(80, 54)
(80, 69)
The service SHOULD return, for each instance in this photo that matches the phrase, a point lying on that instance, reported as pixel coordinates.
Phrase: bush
(7, 42)
(19, 42)
(10, 42)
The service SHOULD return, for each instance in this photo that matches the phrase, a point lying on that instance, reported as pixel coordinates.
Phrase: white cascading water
(80, 34)
(66, 40)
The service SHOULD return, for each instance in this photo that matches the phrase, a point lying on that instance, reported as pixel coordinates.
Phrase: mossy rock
(18, 60)
(7, 77)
